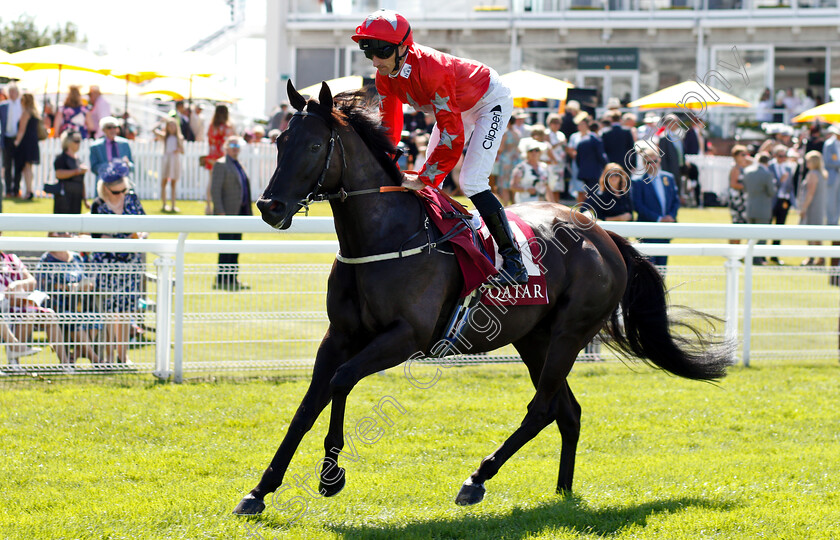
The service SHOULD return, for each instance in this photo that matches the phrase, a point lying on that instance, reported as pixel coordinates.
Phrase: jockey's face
(388, 65)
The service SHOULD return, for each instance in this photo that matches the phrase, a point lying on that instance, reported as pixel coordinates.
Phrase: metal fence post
(748, 268)
(733, 266)
(179, 307)
(163, 311)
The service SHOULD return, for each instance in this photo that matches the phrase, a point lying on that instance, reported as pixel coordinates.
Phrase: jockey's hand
(412, 181)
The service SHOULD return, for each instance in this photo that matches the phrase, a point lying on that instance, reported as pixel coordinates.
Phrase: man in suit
(831, 157)
(231, 194)
(655, 198)
(760, 190)
(694, 141)
(183, 114)
(783, 184)
(110, 147)
(618, 142)
(10, 113)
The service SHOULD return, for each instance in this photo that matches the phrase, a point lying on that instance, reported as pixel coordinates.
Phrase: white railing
(258, 160)
(172, 270)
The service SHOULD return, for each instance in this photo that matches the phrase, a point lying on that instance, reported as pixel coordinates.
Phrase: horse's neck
(376, 222)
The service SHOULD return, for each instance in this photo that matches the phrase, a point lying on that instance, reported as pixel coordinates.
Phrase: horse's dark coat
(383, 313)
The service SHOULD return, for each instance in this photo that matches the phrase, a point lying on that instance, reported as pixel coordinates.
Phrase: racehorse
(384, 311)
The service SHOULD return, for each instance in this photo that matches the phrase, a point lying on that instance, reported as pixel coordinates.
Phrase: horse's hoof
(249, 506)
(334, 487)
(470, 494)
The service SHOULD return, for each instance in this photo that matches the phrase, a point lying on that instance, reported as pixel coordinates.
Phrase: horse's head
(308, 160)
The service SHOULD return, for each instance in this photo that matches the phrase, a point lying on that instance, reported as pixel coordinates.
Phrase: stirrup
(505, 278)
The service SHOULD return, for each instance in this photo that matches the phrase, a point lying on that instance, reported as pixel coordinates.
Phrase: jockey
(467, 98)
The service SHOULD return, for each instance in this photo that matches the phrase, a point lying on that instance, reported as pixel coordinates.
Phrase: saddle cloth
(475, 259)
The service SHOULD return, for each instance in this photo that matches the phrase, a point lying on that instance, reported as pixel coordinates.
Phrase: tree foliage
(24, 34)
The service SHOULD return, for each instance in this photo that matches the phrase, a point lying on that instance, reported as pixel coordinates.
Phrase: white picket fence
(258, 160)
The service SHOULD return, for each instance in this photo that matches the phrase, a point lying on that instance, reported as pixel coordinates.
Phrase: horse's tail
(647, 331)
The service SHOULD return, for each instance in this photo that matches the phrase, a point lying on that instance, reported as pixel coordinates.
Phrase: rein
(342, 195)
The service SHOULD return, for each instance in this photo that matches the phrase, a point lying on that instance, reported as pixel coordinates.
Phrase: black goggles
(379, 49)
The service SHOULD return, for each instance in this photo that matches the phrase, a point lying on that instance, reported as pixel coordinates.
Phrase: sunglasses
(120, 192)
(380, 52)
(110, 127)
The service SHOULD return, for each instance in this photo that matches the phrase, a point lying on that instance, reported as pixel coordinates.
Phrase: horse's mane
(358, 109)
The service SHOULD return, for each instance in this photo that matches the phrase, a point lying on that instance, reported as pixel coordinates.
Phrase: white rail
(172, 254)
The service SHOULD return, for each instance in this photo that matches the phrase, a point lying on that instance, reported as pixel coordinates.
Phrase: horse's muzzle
(274, 213)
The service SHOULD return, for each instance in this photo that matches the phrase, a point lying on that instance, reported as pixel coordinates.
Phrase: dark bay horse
(384, 312)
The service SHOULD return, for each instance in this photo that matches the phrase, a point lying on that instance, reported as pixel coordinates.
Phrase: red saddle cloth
(476, 265)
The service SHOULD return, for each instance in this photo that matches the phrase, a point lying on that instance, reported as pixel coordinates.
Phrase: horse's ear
(325, 97)
(297, 100)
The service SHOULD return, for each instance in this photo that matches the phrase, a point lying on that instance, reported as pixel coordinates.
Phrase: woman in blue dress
(119, 275)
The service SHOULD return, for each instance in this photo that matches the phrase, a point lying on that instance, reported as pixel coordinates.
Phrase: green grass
(659, 457)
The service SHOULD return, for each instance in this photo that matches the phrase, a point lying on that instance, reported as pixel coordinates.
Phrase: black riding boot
(513, 271)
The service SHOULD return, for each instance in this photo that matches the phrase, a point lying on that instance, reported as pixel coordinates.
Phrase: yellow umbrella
(60, 57)
(342, 84)
(827, 112)
(11, 72)
(688, 95)
(47, 81)
(180, 88)
(535, 86)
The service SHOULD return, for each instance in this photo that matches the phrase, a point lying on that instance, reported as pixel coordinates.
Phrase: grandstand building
(621, 48)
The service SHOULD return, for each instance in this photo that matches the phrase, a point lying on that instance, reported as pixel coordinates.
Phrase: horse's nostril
(273, 206)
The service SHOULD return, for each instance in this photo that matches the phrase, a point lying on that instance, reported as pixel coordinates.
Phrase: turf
(659, 457)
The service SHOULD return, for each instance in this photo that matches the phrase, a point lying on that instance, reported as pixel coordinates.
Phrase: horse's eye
(315, 148)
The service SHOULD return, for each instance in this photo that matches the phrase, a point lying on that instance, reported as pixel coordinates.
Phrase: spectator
(556, 149)
(694, 142)
(628, 120)
(73, 113)
(27, 152)
(589, 156)
(650, 127)
(231, 194)
(671, 149)
(48, 117)
(530, 177)
(737, 202)
(519, 125)
(10, 113)
(783, 186)
(182, 113)
(612, 200)
(655, 198)
(831, 156)
(791, 103)
(197, 123)
(63, 275)
(109, 148)
(70, 173)
(619, 143)
(99, 110)
(170, 172)
(259, 133)
(220, 130)
(567, 123)
(23, 302)
(812, 202)
(121, 273)
(508, 157)
(760, 190)
(815, 139)
(272, 135)
(765, 107)
(279, 118)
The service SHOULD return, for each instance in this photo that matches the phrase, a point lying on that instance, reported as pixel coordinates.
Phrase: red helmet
(385, 25)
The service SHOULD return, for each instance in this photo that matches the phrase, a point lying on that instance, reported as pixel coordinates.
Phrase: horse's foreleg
(542, 411)
(316, 399)
(387, 350)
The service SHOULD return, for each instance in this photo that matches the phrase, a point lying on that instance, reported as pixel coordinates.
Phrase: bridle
(341, 194)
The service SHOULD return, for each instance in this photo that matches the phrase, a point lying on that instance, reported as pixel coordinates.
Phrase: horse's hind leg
(533, 350)
(542, 410)
(568, 420)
